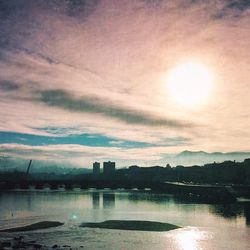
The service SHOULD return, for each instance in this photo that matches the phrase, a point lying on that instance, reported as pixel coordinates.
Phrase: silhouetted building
(96, 168)
(108, 168)
(247, 169)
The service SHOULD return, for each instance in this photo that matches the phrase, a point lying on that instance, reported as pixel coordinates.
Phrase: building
(108, 168)
(247, 170)
(96, 168)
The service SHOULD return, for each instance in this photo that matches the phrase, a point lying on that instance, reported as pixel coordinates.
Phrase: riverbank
(21, 242)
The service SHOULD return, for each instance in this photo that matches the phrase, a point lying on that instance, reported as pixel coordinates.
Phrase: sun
(190, 84)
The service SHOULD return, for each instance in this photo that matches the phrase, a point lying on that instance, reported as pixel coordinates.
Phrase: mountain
(188, 158)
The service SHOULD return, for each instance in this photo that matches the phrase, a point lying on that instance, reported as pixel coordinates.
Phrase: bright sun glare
(190, 84)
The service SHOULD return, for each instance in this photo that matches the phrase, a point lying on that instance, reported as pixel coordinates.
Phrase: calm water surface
(204, 226)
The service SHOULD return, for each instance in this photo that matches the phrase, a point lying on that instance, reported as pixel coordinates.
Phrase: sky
(84, 81)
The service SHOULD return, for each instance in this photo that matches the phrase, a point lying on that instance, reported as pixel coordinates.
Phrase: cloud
(78, 155)
(99, 67)
(83, 7)
(8, 86)
(67, 101)
(116, 142)
(241, 5)
(232, 9)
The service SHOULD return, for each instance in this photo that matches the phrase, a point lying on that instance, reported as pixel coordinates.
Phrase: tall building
(108, 167)
(247, 169)
(96, 168)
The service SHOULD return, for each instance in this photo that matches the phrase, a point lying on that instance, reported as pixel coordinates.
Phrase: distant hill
(201, 157)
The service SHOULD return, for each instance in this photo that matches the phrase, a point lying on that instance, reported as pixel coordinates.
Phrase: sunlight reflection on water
(190, 238)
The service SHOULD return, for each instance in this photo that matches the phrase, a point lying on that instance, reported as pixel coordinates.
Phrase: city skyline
(93, 80)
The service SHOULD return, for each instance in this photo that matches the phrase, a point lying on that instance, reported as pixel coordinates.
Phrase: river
(204, 226)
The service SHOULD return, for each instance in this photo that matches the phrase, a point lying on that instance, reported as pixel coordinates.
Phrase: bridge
(200, 193)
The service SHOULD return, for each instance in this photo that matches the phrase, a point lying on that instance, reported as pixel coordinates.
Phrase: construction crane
(28, 169)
